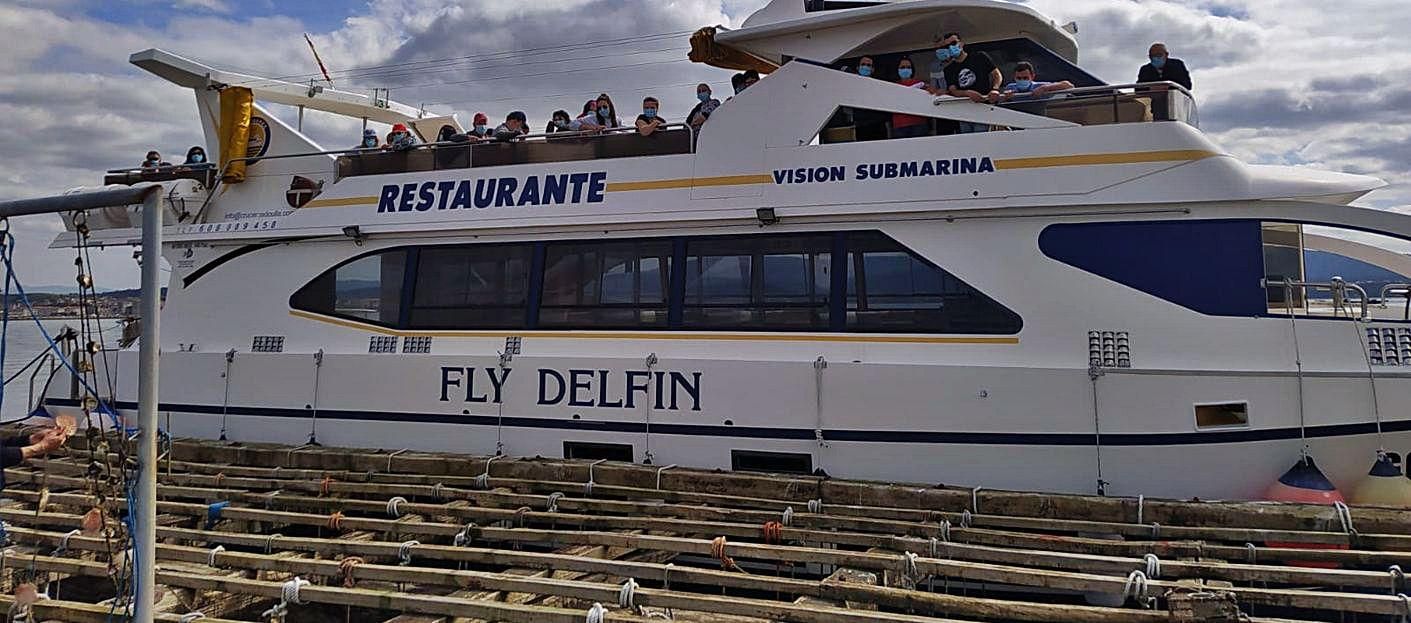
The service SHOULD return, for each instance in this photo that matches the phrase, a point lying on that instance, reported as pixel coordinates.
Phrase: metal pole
(145, 540)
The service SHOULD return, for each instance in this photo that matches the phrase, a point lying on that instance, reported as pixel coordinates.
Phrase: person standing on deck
(1163, 68)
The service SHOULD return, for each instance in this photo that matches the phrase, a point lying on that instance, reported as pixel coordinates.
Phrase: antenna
(317, 59)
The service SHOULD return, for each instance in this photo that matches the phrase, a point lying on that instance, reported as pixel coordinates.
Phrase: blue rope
(213, 513)
(7, 250)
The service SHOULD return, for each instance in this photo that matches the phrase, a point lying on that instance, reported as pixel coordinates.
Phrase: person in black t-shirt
(971, 75)
(649, 122)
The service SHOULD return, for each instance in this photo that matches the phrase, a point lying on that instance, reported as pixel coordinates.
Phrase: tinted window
(471, 287)
(606, 285)
(368, 288)
(760, 282)
(892, 289)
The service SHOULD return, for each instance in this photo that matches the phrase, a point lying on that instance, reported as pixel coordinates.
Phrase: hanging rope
(404, 552)
(815, 506)
(345, 568)
(325, 486)
(211, 557)
(465, 536)
(788, 518)
(717, 549)
(597, 613)
(289, 594)
(627, 595)
(190, 617)
(588, 486)
(1298, 365)
(1398, 579)
(213, 513)
(335, 521)
(63, 547)
(1153, 566)
(773, 532)
(394, 505)
(553, 505)
(659, 471)
(1135, 590)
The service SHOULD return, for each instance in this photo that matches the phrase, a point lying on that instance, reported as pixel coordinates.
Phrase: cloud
(215, 6)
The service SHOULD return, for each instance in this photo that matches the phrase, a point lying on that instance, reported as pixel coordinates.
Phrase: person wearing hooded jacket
(369, 140)
(196, 155)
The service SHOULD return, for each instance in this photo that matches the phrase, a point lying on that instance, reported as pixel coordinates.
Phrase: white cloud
(216, 6)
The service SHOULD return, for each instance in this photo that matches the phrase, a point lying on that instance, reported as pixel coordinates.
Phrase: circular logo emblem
(259, 138)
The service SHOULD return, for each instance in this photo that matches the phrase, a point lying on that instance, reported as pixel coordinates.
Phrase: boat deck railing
(625, 142)
(205, 173)
(1144, 102)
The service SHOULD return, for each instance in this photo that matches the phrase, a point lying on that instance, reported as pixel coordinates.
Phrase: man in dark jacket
(1163, 68)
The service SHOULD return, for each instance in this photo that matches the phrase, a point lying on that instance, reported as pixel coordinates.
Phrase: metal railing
(1141, 102)
(1338, 287)
(1402, 290)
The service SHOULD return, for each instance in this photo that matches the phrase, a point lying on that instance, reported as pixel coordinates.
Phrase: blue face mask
(904, 72)
(605, 111)
(865, 70)
(1158, 61)
(649, 113)
(943, 54)
(1024, 86)
(479, 127)
(703, 96)
(955, 50)
(370, 142)
(198, 158)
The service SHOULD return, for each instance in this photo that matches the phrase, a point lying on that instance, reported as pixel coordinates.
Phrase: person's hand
(993, 97)
(975, 96)
(40, 435)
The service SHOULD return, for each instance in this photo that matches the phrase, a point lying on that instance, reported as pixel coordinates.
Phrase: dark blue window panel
(1212, 267)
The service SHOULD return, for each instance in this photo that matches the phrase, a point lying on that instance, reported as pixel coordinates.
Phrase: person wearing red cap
(400, 138)
(481, 130)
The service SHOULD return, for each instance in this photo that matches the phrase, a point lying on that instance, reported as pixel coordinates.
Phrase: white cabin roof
(783, 28)
(192, 74)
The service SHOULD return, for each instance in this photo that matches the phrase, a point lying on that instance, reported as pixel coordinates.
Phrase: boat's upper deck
(811, 137)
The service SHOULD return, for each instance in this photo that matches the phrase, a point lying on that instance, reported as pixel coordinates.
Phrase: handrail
(1105, 89)
(1405, 291)
(1338, 286)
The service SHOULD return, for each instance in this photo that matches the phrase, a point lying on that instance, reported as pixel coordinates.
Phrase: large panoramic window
(471, 286)
(812, 281)
(606, 284)
(368, 288)
(892, 289)
(758, 282)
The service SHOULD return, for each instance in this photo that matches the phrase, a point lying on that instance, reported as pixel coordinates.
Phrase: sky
(1293, 82)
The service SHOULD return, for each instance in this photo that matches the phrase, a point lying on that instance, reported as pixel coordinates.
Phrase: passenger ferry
(1092, 296)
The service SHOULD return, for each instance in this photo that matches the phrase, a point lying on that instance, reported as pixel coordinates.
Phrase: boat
(1091, 295)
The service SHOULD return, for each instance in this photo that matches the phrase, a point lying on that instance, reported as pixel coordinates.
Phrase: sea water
(22, 342)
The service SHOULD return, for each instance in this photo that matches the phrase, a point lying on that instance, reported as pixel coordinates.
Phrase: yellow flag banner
(235, 106)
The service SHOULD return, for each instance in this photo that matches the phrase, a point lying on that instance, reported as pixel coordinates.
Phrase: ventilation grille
(1109, 349)
(417, 345)
(1388, 346)
(267, 344)
(512, 344)
(382, 344)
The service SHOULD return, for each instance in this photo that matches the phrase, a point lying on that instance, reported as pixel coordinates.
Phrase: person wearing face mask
(480, 129)
(1163, 68)
(707, 105)
(400, 138)
(607, 115)
(588, 121)
(871, 125)
(558, 123)
(908, 126)
(866, 66)
(369, 140)
(1026, 84)
(195, 155)
(154, 160)
(971, 75)
(650, 121)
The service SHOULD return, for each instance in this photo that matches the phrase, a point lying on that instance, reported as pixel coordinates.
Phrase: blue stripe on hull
(749, 432)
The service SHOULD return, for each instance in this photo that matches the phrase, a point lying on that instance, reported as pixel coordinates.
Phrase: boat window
(621, 452)
(849, 124)
(891, 288)
(471, 287)
(1371, 265)
(606, 284)
(1222, 415)
(758, 282)
(1283, 259)
(368, 288)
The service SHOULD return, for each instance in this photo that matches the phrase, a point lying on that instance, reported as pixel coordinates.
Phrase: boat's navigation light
(354, 232)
